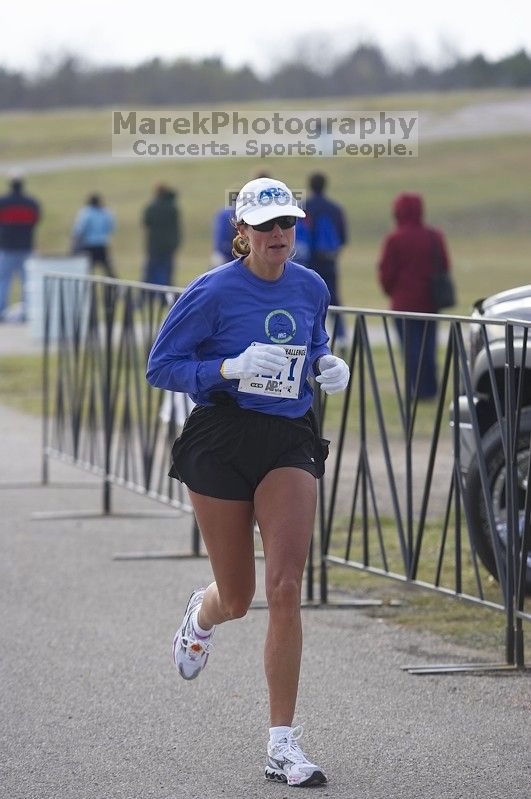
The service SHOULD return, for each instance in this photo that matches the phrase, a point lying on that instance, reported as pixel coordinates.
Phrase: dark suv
(512, 304)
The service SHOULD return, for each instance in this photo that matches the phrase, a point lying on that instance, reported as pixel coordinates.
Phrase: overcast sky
(262, 34)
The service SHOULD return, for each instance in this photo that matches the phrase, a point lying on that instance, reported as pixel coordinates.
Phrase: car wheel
(495, 463)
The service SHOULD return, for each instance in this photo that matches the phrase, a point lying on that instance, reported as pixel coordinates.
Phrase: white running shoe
(190, 650)
(286, 762)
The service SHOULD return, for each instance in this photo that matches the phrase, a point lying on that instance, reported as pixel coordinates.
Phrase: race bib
(284, 384)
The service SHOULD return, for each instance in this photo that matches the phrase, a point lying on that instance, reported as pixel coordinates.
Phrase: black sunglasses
(284, 222)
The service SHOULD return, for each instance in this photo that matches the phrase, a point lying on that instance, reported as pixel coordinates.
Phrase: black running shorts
(225, 451)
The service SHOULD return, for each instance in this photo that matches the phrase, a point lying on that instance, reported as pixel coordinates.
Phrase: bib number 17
(286, 383)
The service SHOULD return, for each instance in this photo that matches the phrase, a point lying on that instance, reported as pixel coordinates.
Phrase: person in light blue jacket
(92, 230)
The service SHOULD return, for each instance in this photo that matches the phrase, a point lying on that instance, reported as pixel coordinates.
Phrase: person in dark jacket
(405, 271)
(162, 223)
(19, 214)
(320, 237)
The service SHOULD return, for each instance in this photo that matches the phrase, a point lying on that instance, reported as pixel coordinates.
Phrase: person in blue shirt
(223, 228)
(243, 340)
(222, 236)
(92, 230)
(320, 237)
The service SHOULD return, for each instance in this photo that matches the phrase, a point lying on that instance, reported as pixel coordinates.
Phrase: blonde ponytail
(240, 246)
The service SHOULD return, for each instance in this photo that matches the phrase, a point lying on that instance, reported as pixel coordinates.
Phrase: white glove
(335, 374)
(257, 359)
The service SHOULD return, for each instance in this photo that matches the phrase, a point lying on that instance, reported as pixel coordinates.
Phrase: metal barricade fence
(99, 413)
(396, 499)
(433, 493)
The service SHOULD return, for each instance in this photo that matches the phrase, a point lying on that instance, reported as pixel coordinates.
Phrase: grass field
(476, 190)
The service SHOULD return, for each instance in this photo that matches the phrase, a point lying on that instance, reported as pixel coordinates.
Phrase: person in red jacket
(19, 214)
(405, 271)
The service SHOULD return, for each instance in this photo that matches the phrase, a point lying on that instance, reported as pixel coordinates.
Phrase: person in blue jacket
(320, 238)
(223, 229)
(92, 230)
(222, 236)
(243, 340)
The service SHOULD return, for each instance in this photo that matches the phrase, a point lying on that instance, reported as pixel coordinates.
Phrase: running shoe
(286, 762)
(190, 650)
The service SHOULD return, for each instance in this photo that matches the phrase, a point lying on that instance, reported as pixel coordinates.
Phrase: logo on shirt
(280, 326)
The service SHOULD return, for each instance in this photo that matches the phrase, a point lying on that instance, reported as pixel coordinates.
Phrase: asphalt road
(92, 707)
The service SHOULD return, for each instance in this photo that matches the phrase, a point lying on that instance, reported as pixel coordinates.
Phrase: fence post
(323, 574)
(196, 538)
(510, 490)
(45, 475)
(108, 410)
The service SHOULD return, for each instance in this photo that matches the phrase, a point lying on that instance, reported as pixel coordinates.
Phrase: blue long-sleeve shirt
(221, 313)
